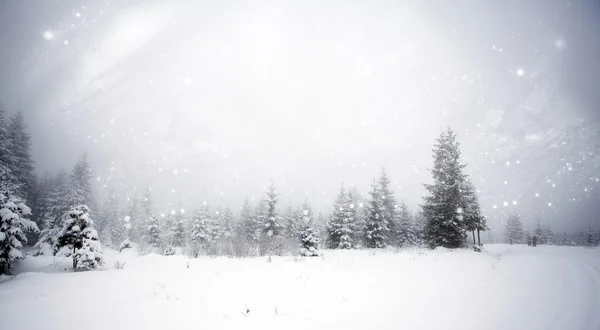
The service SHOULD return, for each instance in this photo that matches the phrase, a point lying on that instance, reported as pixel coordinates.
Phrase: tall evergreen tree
(81, 187)
(472, 218)
(377, 229)
(200, 234)
(7, 160)
(14, 224)
(308, 238)
(341, 226)
(153, 232)
(419, 223)
(442, 207)
(544, 233)
(272, 226)
(113, 224)
(246, 226)
(178, 229)
(79, 237)
(514, 231)
(53, 207)
(388, 201)
(404, 230)
(259, 220)
(292, 223)
(21, 165)
(146, 213)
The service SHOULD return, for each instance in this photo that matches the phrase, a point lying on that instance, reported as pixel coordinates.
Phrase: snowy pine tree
(308, 238)
(292, 223)
(80, 239)
(146, 213)
(56, 204)
(226, 224)
(258, 218)
(544, 234)
(514, 231)
(200, 234)
(388, 202)
(376, 234)
(153, 232)
(14, 224)
(272, 225)
(114, 231)
(7, 159)
(178, 229)
(404, 230)
(442, 207)
(473, 220)
(81, 187)
(341, 226)
(20, 162)
(246, 223)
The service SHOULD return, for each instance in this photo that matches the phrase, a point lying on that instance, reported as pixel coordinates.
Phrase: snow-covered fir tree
(341, 226)
(292, 222)
(146, 212)
(419, 222)
(14, 225)
(21, 163)
(56, 204)
(258, 217)
(388, 203)
(472, 219)
(114, 231)
(226, 223)
(377, 230)
(357, 211)
(404, 230)
(246, 224)
(135, 215)
(308, 238)
(200, 233)
(153, 232)
(80, 239)
(442, 207)
(272, 224)
(178, 229)
(81, 187)
(7, 178)
(513, 231)
(544, 234)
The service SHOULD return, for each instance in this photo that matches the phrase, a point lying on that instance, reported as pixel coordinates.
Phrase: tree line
(60, 213)
(516, 233)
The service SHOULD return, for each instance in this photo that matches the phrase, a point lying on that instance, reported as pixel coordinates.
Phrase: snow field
(504, 287)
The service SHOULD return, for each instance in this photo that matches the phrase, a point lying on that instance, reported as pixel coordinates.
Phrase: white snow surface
(504, 287)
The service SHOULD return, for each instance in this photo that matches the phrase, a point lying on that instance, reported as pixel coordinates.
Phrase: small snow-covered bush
(119, 264)
(310, 252)
(167, 250)
(125, 245)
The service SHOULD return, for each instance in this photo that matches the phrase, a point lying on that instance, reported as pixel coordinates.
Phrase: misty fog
(210, 101)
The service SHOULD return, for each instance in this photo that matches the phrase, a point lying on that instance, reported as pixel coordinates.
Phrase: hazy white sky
(211, 100)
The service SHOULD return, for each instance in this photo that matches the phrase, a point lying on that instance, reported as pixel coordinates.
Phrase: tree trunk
(473, 231)
(74, 260)
(478, 237)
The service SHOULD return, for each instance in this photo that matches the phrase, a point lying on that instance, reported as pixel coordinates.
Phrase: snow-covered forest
(60, 213)
(299, 165)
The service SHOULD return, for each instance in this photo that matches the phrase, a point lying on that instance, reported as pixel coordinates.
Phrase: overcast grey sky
(211, 100)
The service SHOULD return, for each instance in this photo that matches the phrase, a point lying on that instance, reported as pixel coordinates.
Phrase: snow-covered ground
(504, 287)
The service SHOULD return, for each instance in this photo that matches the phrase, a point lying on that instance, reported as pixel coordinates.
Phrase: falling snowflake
(48, 35)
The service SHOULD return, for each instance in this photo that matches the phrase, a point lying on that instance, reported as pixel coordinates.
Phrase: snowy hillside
(505, 287)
